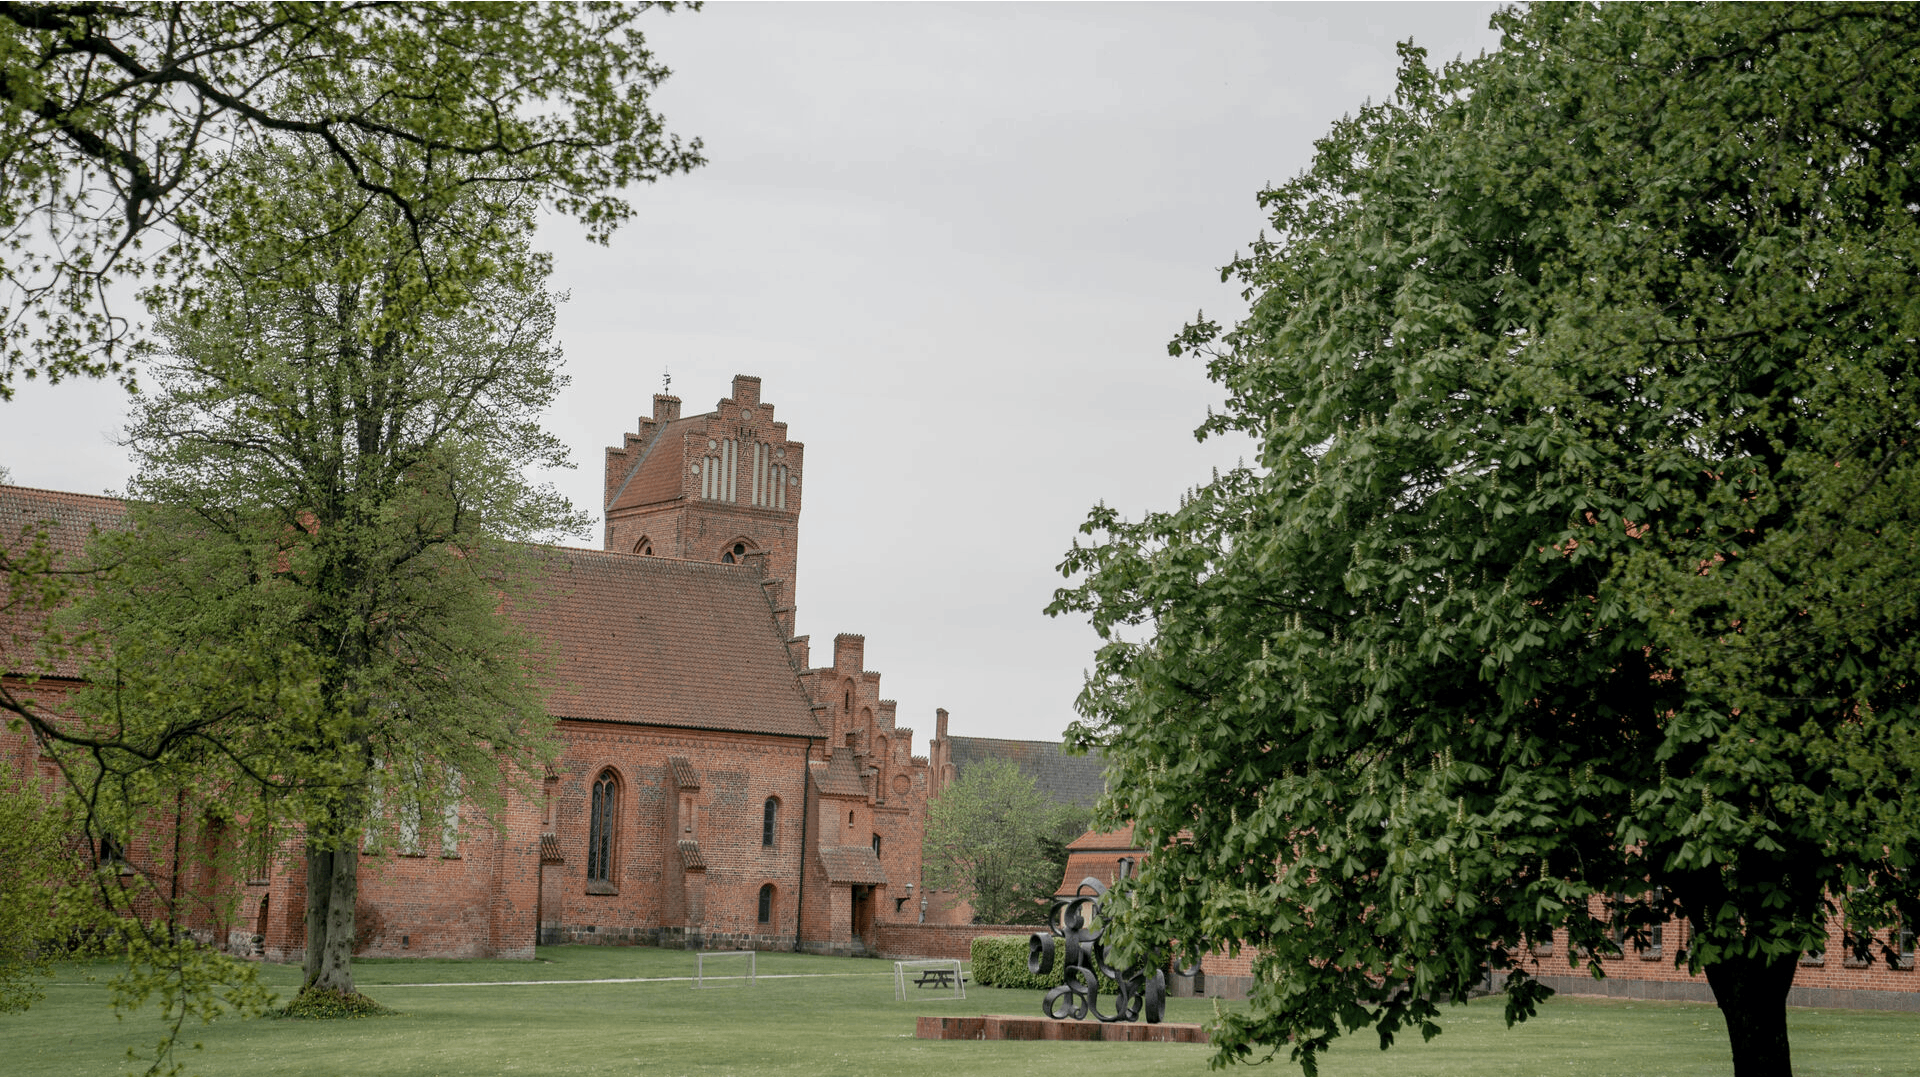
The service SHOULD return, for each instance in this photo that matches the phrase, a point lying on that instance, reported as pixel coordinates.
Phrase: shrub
(1001, 961)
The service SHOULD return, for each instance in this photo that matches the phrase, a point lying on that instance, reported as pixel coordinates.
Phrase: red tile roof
(70, 519)
(656, 641)
(657, 477)
(852, 864)
(841, 776)
(69, 522)
(690, 857)
(639, 640)
(1117, 841)
(683, 775)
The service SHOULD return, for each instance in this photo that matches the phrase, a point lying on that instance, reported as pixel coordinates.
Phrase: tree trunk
(332, 885)
(1752, 995)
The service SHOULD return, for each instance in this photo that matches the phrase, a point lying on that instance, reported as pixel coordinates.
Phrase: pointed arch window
(769, 815)
(602, 820)
(766, 904)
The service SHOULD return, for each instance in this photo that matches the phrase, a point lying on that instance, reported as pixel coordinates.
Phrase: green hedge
(1001, 961)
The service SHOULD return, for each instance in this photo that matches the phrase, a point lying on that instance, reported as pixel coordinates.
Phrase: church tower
(720, 486)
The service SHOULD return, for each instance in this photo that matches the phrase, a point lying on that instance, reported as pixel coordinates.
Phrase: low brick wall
(902, 941)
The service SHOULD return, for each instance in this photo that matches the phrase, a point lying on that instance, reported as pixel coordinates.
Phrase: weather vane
(666, 380)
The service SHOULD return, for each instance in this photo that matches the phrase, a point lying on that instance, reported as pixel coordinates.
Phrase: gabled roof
(1065, 779)
(852, 864)
(657, 641)
(640, 640)
(657, 477)
(839, 776)
(1105, 841)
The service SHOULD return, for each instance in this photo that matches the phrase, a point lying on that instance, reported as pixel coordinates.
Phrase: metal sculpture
(1070, 922)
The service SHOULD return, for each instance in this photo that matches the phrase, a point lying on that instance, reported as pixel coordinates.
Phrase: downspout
(800, 896)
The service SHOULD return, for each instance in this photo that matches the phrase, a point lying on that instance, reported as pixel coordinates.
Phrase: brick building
(716, 788)
(1827, 978)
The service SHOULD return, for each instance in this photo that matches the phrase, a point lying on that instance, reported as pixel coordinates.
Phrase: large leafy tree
(995, 837)
(131, 142)
(1575, 589)
(304, 619)
(118, 123)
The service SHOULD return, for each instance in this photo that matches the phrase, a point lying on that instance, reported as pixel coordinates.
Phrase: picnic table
(936, 978)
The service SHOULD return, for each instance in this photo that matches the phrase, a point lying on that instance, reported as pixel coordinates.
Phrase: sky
(953, 241)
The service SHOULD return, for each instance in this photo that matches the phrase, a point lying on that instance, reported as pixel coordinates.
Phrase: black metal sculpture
(1070, 920)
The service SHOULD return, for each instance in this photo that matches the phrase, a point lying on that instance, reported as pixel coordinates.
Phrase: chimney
(665, 408)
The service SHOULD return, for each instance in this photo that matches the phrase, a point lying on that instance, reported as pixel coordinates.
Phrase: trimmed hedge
(1001, 961)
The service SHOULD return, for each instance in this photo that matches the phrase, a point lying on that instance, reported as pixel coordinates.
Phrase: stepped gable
(656, 478)
(662, 642)
(1065, 779)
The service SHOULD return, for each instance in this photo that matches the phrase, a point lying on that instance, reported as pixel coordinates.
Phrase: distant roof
(1065, 779)
(658, 641)
(1105, 841)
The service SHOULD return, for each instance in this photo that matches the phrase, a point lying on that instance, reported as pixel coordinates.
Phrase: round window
(739, 549)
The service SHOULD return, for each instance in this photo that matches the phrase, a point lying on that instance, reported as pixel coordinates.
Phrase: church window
(644, 547)
(601, 820)
(768, 816)
(876, 845)
(734, 553)
(766, 902)
(450, 818)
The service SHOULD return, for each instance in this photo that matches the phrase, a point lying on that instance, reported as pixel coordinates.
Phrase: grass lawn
(838, 1016)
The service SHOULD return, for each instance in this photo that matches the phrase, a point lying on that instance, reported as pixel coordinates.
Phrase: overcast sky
(954, 242)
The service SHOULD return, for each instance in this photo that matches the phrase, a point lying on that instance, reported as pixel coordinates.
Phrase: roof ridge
(108, 498)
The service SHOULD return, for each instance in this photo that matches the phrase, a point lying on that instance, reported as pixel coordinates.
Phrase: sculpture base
(1003, 1027)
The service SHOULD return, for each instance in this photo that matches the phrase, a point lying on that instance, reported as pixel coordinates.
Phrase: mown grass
(839, 1017)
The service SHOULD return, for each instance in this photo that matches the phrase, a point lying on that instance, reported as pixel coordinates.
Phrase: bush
(1001, 961)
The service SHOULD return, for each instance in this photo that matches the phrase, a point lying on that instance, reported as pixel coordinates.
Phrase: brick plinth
(1007, 1027)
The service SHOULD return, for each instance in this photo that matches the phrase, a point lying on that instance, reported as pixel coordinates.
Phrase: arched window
(766, 901)
(644, 547)
(768, 816)
(601, 821)
(734, 553)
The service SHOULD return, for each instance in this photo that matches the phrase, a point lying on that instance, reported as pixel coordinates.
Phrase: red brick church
(717, 787)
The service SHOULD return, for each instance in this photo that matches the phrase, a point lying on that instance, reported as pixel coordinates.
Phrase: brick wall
(901, 942)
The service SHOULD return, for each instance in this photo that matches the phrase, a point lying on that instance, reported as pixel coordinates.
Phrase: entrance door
(862, 917)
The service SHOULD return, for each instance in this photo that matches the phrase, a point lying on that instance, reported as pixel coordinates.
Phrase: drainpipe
(800, 895)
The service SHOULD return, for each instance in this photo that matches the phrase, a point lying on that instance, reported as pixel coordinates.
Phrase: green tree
(1575, 586)
(994, 836)
(305, 612)
(118, 123)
